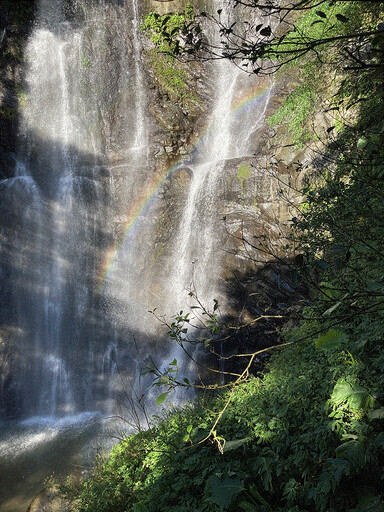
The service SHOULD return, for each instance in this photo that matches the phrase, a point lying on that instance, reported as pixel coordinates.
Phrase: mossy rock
(50, 500)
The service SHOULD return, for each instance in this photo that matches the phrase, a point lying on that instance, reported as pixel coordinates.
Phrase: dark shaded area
(30, 240)
(16, 22)
(267, 301)
(17, 12)
(264, 303)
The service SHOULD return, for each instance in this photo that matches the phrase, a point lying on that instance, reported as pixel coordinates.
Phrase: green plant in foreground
(291, 441)
(165, 29)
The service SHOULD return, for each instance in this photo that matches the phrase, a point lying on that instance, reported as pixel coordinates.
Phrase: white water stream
(198, 249)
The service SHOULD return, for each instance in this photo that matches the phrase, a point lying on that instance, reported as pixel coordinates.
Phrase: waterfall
(84, 204)
(85, 249)
(198, 248)
(141, 142)
(52, 139)
(58, 206)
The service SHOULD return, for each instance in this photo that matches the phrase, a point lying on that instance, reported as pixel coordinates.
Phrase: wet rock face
(173, 123)
(15, 25)
(115, 84)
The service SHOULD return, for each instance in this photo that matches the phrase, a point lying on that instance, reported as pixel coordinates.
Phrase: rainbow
(143, 203)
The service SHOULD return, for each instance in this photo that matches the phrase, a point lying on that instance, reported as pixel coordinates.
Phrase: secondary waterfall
(198, 252)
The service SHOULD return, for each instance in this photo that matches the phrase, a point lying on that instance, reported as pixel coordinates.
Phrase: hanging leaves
(161, 398)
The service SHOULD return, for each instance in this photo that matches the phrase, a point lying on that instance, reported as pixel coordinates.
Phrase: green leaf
(362, 142)
(332, 308)
(353, 452)
(247, 506)
(139, 507)
(375, 286)
(161, 398)
(376, 414)
(199, 433)
(232, 445)
(356, 397)
(341, 392)
(332, 339)
(221, 491)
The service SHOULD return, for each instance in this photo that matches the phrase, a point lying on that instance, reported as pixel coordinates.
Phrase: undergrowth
(298, 439)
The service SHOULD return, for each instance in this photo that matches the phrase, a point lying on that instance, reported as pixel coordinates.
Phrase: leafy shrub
(293, 440)
(164, 29)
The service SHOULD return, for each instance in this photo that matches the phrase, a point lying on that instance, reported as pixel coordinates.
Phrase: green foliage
(9, 113)
(295, 113)
(244, 172)
(221, 489)
(172, 78)
(332, 339)
(315, 48)
(295, 439)
(165, 32)
(165, 29)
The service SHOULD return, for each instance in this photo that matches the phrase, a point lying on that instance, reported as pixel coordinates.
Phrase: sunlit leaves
(355, 397)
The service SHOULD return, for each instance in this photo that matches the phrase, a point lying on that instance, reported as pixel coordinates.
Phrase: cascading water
(57, 268)
(59, 202)
(82, 119)
(85, 146)
(198, 247)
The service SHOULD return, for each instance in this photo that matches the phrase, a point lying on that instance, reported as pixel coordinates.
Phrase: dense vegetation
(171, 76)
(308, 434)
